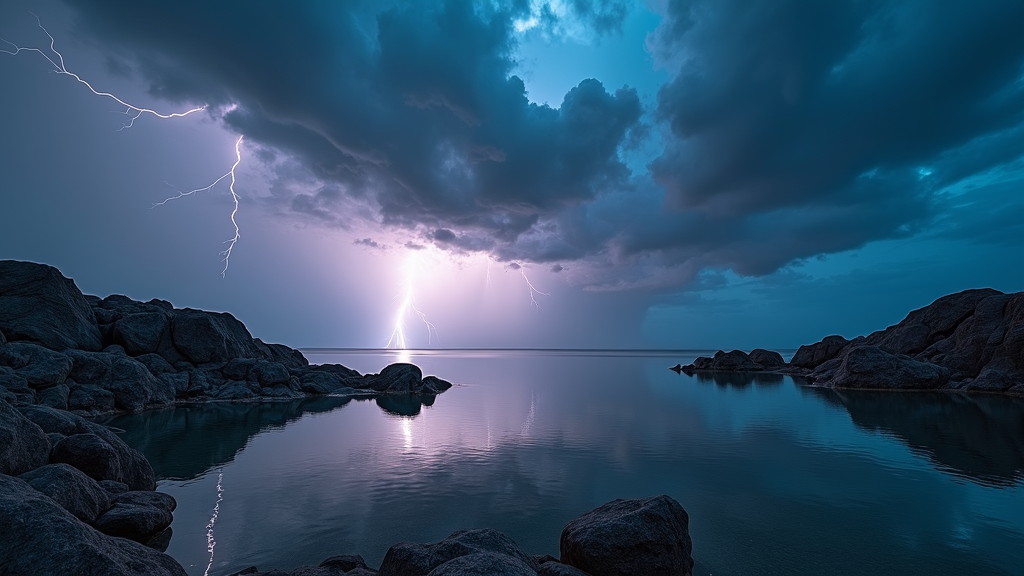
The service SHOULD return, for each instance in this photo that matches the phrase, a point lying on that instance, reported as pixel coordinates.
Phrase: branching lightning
(407, 306)
(533, 290)
(133, 112)
(57, 61)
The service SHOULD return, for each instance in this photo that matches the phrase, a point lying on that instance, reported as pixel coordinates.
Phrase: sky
(610, 174)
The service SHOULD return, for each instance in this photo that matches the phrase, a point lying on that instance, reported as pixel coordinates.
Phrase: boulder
(141, 333)
(131, 383)
(204, 337)
(735, 361)
(137, 515)
(397, 378)
(291, 358)
(768, 359)
(269, 373)
(54, 397)
(484, 564)
(811, 355)
(68, 486)
(873, 367)
(23, 444)
(90, 454)
(925, 326)
(559, 569)
(43, 367)
(38, 304)
(640, 537)
(41, 537)
(421, 559)
(134, 469)
(89, 398)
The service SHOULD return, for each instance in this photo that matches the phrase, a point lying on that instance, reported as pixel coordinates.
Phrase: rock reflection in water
(404, 404)
(183, 443)
(977, 437)
(740, 379)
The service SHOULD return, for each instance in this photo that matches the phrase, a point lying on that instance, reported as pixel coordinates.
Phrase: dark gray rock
(484, 564)
(559, 569)
(238, 368)
(341, 371)
(44, 539)
(398, 379)
(204, 337)
(291, 358)
(641, 537)
(23, 444)
(873, 367)
(38, 304)
(141, 333)
(925, 326)
(407, 559)
(68, 486)
(269, 373)
(155, 363)
(317, 382)
(90, 454)
(89, 398)
(54, 397)
(135, 470)
(735, 361)
(769, 359)
(133, 386)
(811, 355)
(137, 515)
(113, 487)
(43, 367)
(433, 384)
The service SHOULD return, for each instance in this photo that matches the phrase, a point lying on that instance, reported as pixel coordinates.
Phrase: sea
(776, 477)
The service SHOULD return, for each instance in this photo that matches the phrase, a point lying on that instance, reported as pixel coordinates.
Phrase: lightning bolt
(133, 112)
(408, 305)
(533, 290)
(57, 61)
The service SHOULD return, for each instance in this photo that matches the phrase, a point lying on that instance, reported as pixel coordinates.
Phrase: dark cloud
(556, 268)
(368, 242)
(790, 128)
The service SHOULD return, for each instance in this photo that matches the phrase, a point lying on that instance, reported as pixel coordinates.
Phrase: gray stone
(873, 367)
(68, 486)
(137, 515)
(135, 470)
(769, 359)
(810, 356)
(44, 367)
(23, 444)
(142, 332)
(37, 303)
(54, 397)
(89, 398)
(484, 564)
(41, 537)
(204, 337)
(641, 537)
(559, 569)
(407, 559)
(270, 373)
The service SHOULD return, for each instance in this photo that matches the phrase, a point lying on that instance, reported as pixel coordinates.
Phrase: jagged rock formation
(92, 356)
(971, 341)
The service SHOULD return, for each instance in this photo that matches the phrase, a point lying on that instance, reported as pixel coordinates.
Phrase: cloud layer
(789, 129)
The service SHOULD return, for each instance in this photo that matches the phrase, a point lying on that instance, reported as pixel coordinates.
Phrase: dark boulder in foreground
(137, 515)
(42, 538)
(643, 537)
(68, 486)
(23, 445)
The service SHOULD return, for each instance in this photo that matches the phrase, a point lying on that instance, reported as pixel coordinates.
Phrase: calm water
(777, 478)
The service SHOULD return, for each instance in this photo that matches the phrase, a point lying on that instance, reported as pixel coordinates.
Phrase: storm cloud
(787, 129)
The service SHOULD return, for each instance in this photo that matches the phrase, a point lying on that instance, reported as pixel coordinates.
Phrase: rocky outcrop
(41, 537)
(641, 537)
(970, 341)
(93, 356)
(23, 445)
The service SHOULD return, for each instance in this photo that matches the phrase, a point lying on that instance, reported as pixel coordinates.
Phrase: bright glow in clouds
(133, 113)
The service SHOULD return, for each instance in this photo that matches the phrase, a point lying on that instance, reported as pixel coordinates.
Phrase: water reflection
(406, 404)
(740, 379)
(977, 437)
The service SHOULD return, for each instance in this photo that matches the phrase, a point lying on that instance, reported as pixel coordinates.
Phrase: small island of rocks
(971, 341)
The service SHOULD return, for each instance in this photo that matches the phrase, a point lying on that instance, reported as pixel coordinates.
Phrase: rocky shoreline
(75, 498)
(971, 341)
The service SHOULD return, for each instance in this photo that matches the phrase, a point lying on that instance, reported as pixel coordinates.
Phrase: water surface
(777, 478)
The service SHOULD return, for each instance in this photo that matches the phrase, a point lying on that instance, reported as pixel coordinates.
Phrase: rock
(810, 356)
(42, 538)
(769, 359)
(137, 515)
(873, 367)
(270, 373)
(134, 469)
(344, 562)
(23, 444)
(398, 379)
(238, 368)
(420, 559)
(433, 384)
(44, 367)
(559, 569)
(141, 333)
(90, 454)
(89, 398)
(77, 493)
(131, 383)
(483, 564)
(291, 358)
(924, 326)
(54, 397)
(38, 304)
(113, 487)
(639, 537)
(156, 364)
(317, 382)
(204, 337)
(735, 361)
